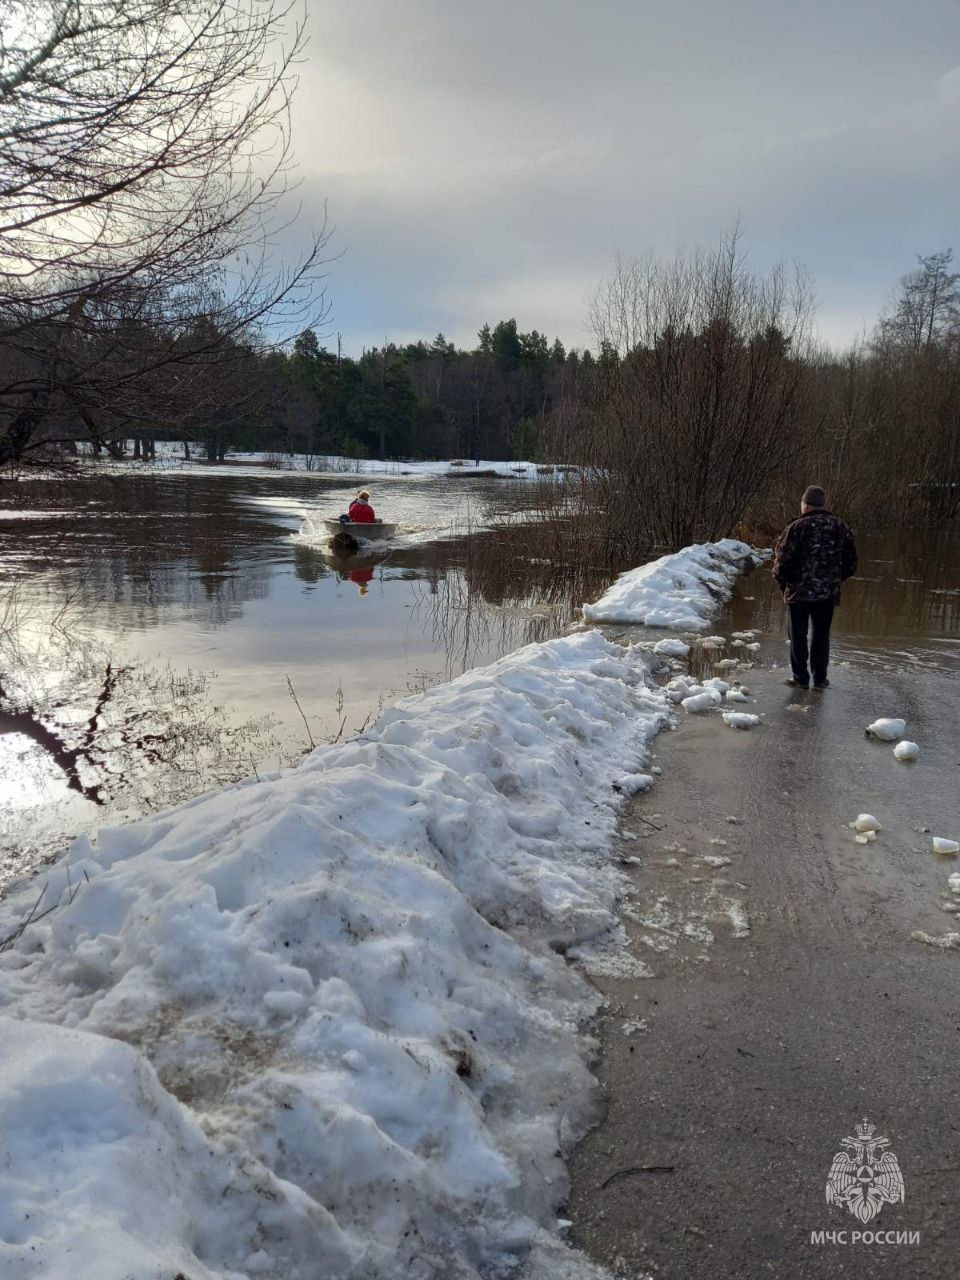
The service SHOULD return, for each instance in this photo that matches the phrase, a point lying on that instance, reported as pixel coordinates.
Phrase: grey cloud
(499, 155)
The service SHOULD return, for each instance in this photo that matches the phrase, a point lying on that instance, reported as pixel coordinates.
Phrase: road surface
(732, 1074)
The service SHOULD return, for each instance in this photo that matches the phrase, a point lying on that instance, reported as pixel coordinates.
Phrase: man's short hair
(814, 496)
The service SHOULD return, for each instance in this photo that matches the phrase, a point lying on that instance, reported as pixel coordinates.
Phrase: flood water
(161, 625)
(167, 634)
(901, 610)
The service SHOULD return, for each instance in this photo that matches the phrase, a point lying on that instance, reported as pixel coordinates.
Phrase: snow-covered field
(169, 459)
(335, 464)
(322, 1023)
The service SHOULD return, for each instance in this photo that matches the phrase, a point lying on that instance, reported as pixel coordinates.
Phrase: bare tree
(702, 379)
(143, 154)
(926, 309)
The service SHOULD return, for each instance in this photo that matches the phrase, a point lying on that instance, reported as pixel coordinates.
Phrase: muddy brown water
(158, 627)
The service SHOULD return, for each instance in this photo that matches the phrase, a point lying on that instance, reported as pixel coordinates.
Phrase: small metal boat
(375, 532)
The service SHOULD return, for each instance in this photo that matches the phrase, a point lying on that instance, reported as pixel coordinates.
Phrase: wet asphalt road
(732, 1075)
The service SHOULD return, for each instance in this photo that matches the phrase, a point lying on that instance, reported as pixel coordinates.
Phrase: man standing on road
(813, 556)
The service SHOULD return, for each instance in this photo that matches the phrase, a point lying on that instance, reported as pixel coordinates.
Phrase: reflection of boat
(345, 564)
(358, 569)
(375, 532)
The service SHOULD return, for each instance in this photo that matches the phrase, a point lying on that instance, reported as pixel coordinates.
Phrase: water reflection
(505, 588)
(358, 569)
(83, 738)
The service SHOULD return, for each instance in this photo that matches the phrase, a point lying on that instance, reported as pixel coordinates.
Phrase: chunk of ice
(740, 719)
(887, 729)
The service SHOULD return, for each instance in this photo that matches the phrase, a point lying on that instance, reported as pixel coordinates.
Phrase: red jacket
(361, 512)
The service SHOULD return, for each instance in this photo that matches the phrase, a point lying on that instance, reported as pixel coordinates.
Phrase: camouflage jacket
(814, 555)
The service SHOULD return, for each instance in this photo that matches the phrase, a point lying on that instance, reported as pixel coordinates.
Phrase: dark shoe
(797, 684)
(821, 684)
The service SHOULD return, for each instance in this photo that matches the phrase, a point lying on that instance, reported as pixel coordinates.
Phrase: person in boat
(361, 511)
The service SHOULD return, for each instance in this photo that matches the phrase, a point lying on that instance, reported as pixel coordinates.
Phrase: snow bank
(680, 590)
(105, 1174)
(351, 1044)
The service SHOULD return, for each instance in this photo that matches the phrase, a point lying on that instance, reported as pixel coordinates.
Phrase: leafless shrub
(702, 396)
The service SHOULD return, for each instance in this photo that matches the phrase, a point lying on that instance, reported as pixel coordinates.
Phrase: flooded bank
(901, 610)
(166, 635)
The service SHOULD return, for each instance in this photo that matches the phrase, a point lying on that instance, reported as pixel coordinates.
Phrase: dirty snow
(672, 648)
(740, 719)
(681, 590)
(325, 1019)
(948, 942)
(347, 1032)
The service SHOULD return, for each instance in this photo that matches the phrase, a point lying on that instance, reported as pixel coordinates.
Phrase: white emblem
(865, 1177)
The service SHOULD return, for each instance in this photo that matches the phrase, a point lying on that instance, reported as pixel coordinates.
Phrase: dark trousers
(817, 614)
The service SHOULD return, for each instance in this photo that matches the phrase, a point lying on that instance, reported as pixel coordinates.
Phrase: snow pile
(106, 1174)
(704, 700)
(696, 697)
(351, 1046)
(948, 942)
(679, 590)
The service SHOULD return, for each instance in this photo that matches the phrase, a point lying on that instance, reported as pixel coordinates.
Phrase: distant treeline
(708, 402)
(706, 405)
(422, 399)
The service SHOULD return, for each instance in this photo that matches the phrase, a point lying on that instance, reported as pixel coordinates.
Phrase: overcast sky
(489, 158)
